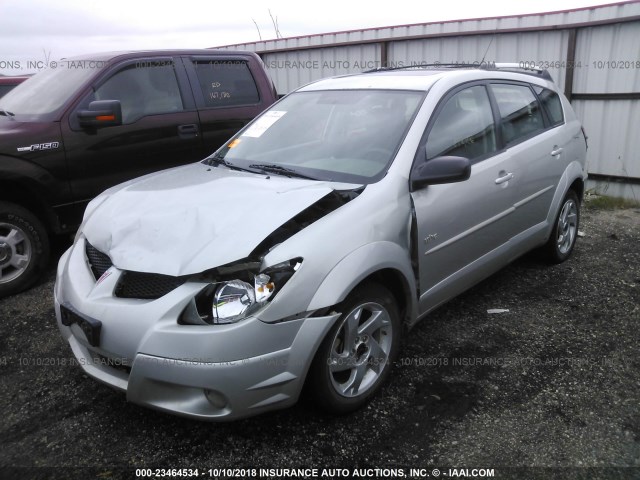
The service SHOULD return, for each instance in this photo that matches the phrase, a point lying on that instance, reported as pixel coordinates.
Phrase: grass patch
(603, 202)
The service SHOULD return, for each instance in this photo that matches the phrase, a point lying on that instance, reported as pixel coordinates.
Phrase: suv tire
(356, 356)
(565, 230)
(24, 248)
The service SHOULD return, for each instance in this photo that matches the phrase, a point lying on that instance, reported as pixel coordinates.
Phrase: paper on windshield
(263, 123)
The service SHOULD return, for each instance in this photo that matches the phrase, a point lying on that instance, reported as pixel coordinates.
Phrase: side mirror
(101, 113)
(440, 170)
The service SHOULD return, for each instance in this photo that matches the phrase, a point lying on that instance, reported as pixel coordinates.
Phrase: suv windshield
(337, 135)
(48, 90)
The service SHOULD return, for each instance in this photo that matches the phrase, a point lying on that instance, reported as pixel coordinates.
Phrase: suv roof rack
(507, 67)
(522, 67)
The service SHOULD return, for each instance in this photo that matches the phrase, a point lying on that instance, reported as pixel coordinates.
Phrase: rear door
(534, 138)
(462, 228)
(228, 93)
(160, 127)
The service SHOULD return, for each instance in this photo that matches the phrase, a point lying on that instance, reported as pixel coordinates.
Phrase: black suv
(91, 122)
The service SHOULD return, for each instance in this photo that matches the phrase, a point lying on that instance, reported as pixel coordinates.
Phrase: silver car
(301, 251)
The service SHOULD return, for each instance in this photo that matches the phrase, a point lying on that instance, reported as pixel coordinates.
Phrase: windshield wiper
(7, 114)
(279, 169)
(221, 161)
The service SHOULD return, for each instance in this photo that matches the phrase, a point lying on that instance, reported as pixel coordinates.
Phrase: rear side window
(226, 83)
(520, 112)
(552, 104)
(464, 127)
(145, 88)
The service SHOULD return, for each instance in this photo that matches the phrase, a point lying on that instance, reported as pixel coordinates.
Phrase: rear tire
(356, 356)
(565, 230)
(24, 248)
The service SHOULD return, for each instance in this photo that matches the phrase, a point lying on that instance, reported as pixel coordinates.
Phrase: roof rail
(518, 68)
(422, 65)
(508, 67)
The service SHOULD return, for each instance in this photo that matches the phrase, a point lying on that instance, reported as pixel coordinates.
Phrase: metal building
(592, 53)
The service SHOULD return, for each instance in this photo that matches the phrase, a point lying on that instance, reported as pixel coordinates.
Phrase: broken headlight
(229, 301)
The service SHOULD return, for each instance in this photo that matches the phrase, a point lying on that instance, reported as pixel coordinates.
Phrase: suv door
(532, 137)
(463, 228)
(226, 95)
(159, 127)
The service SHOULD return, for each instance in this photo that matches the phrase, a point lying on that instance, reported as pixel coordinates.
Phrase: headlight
(230, 301)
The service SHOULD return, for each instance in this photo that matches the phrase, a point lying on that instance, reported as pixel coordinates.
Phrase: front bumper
(220, 372)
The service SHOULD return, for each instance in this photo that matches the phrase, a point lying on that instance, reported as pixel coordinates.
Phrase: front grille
(98, 261)
(148, 286)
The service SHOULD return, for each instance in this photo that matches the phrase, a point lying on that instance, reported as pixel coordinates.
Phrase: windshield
(338, 135)
(48, 90)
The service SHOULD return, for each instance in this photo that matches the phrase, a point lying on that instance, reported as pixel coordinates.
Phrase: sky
(34, 32)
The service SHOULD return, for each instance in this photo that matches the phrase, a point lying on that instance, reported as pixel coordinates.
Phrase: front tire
(356, 356)
(24, 248)
(565, 230)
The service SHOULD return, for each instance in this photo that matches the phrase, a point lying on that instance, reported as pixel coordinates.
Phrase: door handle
(556, 151)
(188, 131)
(504, 178)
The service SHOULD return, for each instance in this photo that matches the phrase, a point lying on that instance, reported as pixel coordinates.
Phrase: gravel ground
(553, 382)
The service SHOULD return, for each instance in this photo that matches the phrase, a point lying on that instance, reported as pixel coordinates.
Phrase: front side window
(464, 126)
(143, 89)
(226, 83)
(48, 90)
(519, 112)
(344, 135)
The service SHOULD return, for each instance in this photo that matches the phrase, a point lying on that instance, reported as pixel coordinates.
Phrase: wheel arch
(28, 196)
(578, 187)
(391, 269)
(572, 179)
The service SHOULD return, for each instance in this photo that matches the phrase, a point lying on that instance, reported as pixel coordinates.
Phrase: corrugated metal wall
(290, 70)
(608, 62)
(506, 47)
(602, 44)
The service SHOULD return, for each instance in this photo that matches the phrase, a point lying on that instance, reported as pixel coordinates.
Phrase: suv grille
(98, 261)
(148, 286)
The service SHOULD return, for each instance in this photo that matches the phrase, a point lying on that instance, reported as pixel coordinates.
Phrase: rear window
(226, 83)
(520, 112)
(552, 104)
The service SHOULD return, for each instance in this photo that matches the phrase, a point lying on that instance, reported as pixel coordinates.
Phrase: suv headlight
(229, 301)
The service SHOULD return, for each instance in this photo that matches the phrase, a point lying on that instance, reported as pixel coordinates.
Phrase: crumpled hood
(189, 219)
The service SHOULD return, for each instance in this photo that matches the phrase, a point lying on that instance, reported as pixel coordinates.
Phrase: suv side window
(143, 89)
(520, 112)
(464, 126)
(552, 104)
(226, 83)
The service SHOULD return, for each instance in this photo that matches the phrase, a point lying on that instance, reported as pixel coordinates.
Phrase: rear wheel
(355, 357)
(24, 248)
(565, 230)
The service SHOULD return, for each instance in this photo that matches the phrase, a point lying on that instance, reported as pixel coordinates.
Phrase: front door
(160, 128)
(463, 227)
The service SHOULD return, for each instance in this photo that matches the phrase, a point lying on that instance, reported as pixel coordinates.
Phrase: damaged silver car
(301, 251)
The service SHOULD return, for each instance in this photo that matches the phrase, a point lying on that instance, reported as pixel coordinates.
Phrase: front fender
(360, 264)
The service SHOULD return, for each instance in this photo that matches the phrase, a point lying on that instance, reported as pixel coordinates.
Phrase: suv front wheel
(356, 356)
(24, 248)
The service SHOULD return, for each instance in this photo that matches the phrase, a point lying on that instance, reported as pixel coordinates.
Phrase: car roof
(422, 78)
(123, 55)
